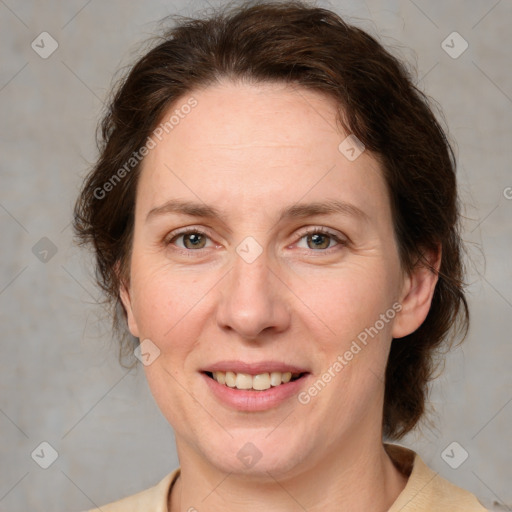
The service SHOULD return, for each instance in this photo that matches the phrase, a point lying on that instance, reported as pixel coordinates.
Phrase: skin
(250, 150)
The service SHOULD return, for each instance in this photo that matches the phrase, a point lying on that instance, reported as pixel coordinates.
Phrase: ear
(417, 292)
(124, 294)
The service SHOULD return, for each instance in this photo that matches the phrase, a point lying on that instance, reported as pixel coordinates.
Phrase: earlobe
(124, 295)
(417, 292)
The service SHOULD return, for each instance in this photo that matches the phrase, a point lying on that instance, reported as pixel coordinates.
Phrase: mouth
(258, 382)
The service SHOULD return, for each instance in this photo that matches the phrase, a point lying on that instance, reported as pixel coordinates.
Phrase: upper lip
(253, 368)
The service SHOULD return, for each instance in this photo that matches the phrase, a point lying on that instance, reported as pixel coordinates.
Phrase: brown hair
(311, 47)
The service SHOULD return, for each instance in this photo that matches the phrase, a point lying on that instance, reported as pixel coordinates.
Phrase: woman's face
(242, 262)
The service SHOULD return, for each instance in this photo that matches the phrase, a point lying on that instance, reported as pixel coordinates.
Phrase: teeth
(230, 379)
(220, 377)
(243, 381)
(275, 378)
(259, 382)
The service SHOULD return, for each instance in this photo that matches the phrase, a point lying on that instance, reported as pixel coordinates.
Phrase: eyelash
(172, 236)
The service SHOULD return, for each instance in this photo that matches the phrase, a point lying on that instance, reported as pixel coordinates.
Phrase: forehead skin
(251, 149)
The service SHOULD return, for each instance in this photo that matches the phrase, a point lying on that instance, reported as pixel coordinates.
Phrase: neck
(353, 478)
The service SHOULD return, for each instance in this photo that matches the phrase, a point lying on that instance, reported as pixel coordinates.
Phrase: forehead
(235, 117)
(257, 143)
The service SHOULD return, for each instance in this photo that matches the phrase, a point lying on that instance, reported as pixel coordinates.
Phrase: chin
(256, 454)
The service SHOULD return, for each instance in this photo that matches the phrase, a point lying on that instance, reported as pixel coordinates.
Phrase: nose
(254, 300)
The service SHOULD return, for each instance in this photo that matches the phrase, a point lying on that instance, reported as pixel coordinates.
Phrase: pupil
(194, 239)
(317, 240)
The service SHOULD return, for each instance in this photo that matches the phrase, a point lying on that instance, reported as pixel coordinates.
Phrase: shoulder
(426, 490)
(153, 499)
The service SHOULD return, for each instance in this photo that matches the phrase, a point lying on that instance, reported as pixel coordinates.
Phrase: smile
(259, 382)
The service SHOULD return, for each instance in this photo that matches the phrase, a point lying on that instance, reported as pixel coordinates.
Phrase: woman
(275, 217)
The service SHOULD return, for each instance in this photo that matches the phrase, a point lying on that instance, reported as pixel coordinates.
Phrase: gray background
(60, 379)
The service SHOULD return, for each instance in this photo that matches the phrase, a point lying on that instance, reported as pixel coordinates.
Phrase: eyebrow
(300, 210)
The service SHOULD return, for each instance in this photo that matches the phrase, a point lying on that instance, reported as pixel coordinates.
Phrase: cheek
(163, 296)
(168, 308)
(346, 301)
(352, 341)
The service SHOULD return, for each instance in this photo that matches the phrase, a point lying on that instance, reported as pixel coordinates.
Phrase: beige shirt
(425, 490)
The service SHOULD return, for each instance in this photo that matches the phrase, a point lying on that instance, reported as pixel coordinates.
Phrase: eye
(317, 239)
(320, 239)
(191, 239)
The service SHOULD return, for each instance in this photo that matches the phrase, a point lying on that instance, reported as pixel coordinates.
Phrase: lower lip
(244, 400)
